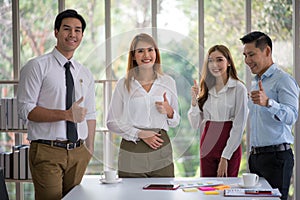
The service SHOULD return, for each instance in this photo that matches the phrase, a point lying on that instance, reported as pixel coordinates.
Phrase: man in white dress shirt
(57, 164)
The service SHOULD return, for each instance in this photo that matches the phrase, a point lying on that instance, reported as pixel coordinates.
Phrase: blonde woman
(143, 107)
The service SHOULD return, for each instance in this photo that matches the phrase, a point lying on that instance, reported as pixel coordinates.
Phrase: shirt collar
(61, 59)
(157, 79)
(267, 73)
(230, 84)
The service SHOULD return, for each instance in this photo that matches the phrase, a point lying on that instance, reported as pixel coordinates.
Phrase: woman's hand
(194, 93)
(164, 107)
(151, 138)
(222, 168)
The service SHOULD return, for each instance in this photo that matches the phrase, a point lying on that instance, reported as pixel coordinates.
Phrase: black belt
(63, 144)
(272, 148)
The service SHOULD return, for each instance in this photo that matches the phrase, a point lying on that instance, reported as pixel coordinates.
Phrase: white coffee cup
(250, 179)
(109, 175)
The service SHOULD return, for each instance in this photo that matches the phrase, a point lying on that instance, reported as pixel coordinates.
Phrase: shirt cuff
(195, 108)
(133, 136)
(273, 106)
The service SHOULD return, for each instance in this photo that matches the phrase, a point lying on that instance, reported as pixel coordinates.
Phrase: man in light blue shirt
(273, 110)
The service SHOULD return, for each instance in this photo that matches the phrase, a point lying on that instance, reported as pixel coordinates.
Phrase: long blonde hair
(208, 80)
(132, 66)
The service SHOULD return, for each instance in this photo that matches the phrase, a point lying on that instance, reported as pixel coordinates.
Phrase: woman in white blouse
(219, 109)
(143, 107)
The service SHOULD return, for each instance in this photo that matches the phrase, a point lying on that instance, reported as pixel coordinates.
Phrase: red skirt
(212, 144)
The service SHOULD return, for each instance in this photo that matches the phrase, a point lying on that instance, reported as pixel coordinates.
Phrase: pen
(81, 81)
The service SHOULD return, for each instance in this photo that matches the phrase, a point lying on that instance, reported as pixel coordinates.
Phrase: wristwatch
(270, 103)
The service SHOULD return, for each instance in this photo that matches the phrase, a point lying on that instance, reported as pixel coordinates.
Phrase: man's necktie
(70, 98)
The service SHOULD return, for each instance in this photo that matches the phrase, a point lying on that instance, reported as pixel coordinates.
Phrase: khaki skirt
(139, 160)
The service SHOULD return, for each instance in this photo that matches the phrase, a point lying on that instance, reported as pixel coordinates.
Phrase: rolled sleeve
(194, 116)
(173, 122)
(28, 89)
(239, 122)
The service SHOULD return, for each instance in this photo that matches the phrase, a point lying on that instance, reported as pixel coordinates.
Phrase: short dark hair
(68, 14)
(261, 39)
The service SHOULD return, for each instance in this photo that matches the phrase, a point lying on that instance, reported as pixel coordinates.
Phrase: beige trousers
(55, 171)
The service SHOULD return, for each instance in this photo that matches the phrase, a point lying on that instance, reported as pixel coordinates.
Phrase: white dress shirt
(229, 104)
(42, 83)
(131, 111)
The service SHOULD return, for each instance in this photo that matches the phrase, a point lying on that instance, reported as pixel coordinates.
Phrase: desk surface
(131, 188)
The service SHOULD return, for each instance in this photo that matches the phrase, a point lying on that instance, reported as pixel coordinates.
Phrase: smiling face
(69, 36)
(257, 60)
(217, 65)
(144, 54)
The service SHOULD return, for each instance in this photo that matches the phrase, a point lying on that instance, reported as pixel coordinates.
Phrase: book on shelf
(20, 164)
(15, 116)
(9, 113)
(9, 118)
(2, 161)
(16, 164)
(23, 164)
(238, 192)
(8, 164)
(3, 116)
(29, 176)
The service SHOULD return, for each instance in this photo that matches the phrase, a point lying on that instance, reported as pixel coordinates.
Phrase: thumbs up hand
(76, 112)
(164, 107)
(194, 93)
(259, 97)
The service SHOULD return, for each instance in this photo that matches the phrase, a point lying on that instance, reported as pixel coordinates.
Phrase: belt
(272, 148)
(63, 144)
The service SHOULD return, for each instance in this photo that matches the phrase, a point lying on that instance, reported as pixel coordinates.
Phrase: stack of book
(9, 119)
(15, 163)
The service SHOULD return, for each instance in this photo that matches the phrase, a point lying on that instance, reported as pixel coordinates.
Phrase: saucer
(112, 181)
(243, 186)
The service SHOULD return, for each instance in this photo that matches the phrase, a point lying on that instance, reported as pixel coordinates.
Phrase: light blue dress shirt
(273, 125)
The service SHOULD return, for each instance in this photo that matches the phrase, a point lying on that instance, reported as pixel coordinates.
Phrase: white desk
(131, 189)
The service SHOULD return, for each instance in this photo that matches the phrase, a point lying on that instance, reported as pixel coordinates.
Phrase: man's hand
(259, 97)
(76, 112)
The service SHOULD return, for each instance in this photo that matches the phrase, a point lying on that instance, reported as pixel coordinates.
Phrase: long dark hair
(208, 80)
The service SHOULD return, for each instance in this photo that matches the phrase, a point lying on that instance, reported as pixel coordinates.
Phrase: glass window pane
(91, 53)
(36, 28)
(127, 15)
(6, 48)
(177, 38)
(275, 18)
(6, 55)
(127, 19)
(224, 23)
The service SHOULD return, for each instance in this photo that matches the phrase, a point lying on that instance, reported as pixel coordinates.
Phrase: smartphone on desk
(161, 187)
